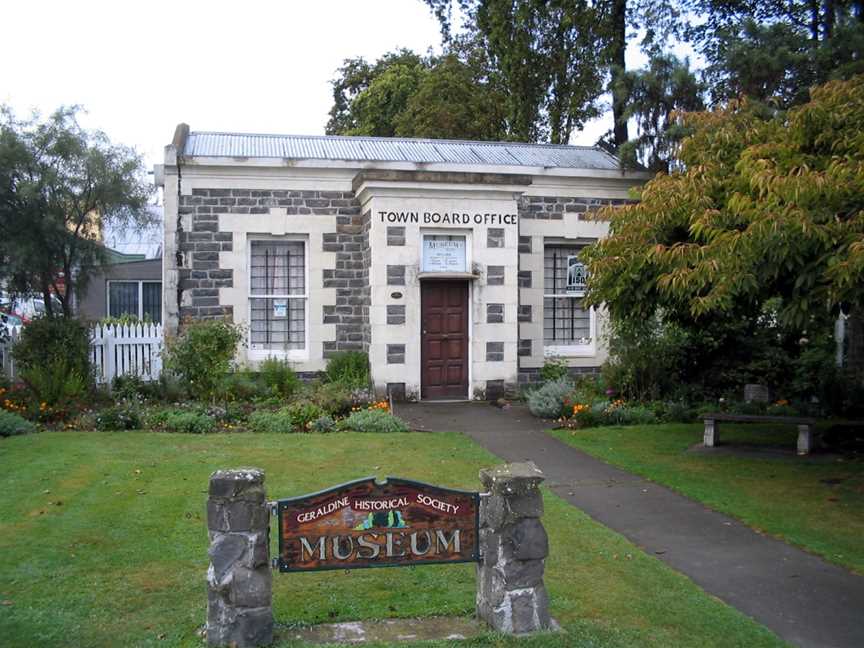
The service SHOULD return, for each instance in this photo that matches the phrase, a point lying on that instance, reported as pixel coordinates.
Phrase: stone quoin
(454, 265)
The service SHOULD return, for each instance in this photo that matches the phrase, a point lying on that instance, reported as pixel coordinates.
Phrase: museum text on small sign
(364, 523)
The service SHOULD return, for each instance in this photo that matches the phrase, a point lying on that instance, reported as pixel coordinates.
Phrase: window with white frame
(567, 325)
(277, 295)
(141, 299)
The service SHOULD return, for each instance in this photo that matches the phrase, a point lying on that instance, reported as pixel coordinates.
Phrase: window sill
(295, 355)
(572, 351)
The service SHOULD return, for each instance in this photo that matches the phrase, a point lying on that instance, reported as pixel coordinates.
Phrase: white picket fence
(114, 351)
(122, 350)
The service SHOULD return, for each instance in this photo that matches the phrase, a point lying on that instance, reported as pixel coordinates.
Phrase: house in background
(130, 283)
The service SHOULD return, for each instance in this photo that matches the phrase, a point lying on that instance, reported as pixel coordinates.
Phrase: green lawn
(103, 543)
(808, 501)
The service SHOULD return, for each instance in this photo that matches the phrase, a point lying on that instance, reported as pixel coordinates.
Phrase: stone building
(454, 264)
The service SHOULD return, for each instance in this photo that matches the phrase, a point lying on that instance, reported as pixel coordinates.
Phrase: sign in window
(277, 276)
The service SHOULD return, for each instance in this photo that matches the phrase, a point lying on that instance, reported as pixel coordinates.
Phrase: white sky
(255, 66)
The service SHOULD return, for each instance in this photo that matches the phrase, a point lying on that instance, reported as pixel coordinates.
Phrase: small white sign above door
(443, 253)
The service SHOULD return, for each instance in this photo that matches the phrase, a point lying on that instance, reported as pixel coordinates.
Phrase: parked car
(26, 307)
(8, 321)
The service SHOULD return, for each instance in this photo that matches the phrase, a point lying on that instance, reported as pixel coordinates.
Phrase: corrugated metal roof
(382, 149)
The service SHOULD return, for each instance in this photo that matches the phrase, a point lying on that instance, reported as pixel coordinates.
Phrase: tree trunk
(814, 20)
(829, 19)
(46, 295)
(618, 48)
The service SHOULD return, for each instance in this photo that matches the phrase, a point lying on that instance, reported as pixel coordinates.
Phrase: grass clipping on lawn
(103, 543)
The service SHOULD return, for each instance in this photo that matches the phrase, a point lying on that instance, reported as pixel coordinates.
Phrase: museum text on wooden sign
(364, 523)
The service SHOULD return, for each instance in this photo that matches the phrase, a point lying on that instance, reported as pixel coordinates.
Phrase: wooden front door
(444, 339)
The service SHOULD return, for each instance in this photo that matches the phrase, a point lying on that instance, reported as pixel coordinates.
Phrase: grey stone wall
(198, 255)
(239, 582)
(395, 354)
(495, 237)
(494, 352)
(494, 313)
(396, 314)
(350, 278)
(511, 595)
(495, 275)
(529, 376)
(396, 235)
(554, 207)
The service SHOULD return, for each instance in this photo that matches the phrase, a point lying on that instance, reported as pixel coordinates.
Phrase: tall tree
(450, 96)
(361, 109)
(616, 51)
(774, 50)
(59, 183)
(456, 99)
(546, 56)
(653, 96)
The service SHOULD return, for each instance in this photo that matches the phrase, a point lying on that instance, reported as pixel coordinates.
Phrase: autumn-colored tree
(767, 206)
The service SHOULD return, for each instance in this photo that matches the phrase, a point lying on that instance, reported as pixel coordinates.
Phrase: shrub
(128, 387)
(55, 383)
(373, 420)
(586, 418)
(554, 369)
(323, 424)
(53, 357)
(202, 355)
(279, 377)
(171, 389)
(48, 341)
(674, 412)
(178, 420)
(123, 416)
(631, 415)
(334, 398)
(646, 358)
(270, 422)
(302, 414)
(753, 408)
(12, 425)
(125, 320)
(781, 408)
(548, 400)
(349, 368)
(241, 386)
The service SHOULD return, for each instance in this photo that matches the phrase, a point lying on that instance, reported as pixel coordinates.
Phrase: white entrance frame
(468, 233)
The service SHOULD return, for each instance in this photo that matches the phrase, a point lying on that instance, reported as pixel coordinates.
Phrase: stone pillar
(711, 437)
(511, 596)
(805, 439)
(239, 612)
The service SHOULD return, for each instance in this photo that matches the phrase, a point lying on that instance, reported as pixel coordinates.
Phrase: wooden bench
(805, 427)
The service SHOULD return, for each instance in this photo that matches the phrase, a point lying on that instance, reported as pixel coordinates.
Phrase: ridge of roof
(408, 140)
(362, 148)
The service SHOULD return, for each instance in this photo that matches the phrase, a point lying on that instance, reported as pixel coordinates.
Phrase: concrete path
(802, 598)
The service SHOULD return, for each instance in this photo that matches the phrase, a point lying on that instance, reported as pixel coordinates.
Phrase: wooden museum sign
(368, 524)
